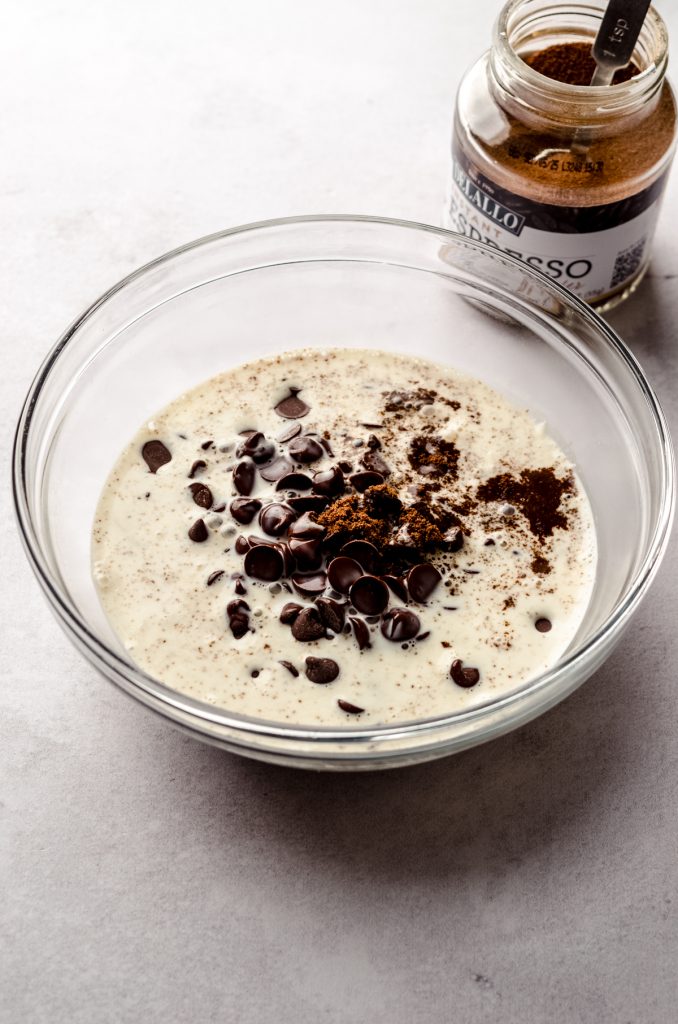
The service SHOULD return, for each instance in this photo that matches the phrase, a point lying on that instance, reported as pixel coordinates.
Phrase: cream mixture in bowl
(331, 536)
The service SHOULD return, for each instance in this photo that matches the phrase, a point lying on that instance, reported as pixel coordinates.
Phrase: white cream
(152, 578)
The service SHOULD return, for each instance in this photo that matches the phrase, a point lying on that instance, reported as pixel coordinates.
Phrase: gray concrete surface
(146, 877)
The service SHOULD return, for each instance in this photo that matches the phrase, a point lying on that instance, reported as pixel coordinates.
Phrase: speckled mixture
(471, 547)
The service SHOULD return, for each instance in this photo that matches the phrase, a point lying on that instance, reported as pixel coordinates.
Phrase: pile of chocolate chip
(348, 588)
(297, 550)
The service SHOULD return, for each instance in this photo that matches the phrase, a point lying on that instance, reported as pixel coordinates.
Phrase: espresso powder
(573, 64)
(538, 493)
(542, 165)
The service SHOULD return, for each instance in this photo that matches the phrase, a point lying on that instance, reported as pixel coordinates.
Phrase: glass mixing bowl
(355, 282)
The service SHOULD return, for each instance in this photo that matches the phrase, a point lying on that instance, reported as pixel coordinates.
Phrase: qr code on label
(627, 263)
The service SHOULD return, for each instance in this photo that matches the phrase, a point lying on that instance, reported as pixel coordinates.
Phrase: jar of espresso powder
(560, 174)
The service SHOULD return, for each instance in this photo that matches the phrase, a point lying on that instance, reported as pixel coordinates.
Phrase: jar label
(594, 251)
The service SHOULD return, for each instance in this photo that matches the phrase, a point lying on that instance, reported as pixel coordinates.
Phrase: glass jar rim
(585, 102)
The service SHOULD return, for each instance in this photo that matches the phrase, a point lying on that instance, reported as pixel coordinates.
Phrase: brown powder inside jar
(572, 64)
(540, 163)
(605, 173)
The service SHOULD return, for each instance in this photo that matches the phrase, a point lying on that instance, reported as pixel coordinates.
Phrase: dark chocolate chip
(307, 552)
(264, 563)
(423, 636)
(221, 507)
(345, 467)
(275, 518)
(321, 670)
(361, 481)
(242, 544)
(290, 668)
(400, 624)
(239, 625)
(238, 617)
(329, 482)
(197, 466)
(350, 709)
(332, 613)
(309, 503)
(342, 573)
(155, 455)
(361, 632)
(244, 510)
(214, 576)
(198, 531)
(455, 542)
(307, 625)
(240, 587)
(243, 476)
(364, 553)
(288, 433)
(327, 446)
(465, 677)
(397, 585)
(202, 495)
(375, 463)
(257, 447)
(306, 527)
(543, 625)
(373, 443)
(289, 613)
(400, 557)
(311, 585)
(489, 542)
(255, 540)
(277, 469)
(422, 580)
(294, 482)
(369, 595)
(382, 503)
(305, 449)
(206, 444)
(288, 557)
(292, 407)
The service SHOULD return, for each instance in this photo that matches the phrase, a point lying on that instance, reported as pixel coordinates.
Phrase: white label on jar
(593, 251)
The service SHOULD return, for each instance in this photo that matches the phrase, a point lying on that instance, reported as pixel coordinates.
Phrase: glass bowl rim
(169, 700)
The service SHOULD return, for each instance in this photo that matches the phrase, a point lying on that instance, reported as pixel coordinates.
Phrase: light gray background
(149, 878)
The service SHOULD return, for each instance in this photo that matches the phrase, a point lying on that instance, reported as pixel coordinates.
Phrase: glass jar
(568, 178)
